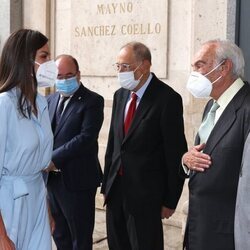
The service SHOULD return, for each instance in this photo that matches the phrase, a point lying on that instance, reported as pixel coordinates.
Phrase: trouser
(74, 215)
(132, 231)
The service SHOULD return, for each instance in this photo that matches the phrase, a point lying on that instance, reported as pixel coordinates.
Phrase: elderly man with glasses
(146, 140)
(214, 163)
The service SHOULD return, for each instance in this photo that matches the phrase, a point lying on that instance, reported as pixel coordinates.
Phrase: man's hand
(51, 167)
(166, 212)
(195, 160)
(52, 222)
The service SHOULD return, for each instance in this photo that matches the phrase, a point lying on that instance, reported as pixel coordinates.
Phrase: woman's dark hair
(17, 66)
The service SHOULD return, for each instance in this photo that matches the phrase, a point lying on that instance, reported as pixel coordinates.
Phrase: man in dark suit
(215, 161)
(141, 184)
(76, 115)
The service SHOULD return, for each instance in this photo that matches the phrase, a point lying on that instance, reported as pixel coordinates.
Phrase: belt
(14, 189)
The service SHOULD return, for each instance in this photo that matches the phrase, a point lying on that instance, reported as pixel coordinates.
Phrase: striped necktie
(208, 123)
(60, 108)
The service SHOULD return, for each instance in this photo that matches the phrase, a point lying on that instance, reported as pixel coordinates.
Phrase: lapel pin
(79, 98)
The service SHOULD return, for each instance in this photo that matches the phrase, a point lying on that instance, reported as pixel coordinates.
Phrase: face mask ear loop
(37, 63)
(215, 67)
(216, 80)
(137, 67)
(140, 77)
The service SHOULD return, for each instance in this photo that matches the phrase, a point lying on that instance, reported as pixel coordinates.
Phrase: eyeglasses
(67, 76)
(122, 66)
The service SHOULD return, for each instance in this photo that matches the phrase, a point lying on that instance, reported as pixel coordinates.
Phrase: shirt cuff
(185, 168)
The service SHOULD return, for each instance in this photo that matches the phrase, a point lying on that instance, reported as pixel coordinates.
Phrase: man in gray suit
(214, 163)
(242, 212)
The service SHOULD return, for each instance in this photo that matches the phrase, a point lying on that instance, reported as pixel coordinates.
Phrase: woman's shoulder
(8, 102)
(7, 97)
(41, 102)
(41, 99)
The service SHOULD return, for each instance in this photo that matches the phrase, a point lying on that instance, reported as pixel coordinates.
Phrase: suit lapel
(221, 128)
(144, 106)
(70, 108)
(53, 106)
(226, 120)
(224, 123)
(121, 106)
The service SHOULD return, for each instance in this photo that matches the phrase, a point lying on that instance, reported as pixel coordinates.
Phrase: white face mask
(46, 74)
(127, 79)
(199, 85)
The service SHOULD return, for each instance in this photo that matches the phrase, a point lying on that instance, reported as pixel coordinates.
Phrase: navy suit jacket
(75, 150)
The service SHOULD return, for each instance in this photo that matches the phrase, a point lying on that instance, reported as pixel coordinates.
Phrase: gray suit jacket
(242, 212)
(212, 196)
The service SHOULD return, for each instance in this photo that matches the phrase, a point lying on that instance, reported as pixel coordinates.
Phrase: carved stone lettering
(99, 29)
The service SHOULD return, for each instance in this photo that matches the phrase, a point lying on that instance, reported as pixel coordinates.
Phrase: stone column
(11, 18)
(38, 15)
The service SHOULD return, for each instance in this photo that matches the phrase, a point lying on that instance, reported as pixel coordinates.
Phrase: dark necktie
(208, 123)
(130, 113)
(60, 108)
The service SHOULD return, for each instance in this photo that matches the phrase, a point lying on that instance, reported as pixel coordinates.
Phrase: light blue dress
(25, 149)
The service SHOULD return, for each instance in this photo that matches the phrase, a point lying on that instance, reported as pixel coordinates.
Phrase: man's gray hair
(226, 49)
(140, 50)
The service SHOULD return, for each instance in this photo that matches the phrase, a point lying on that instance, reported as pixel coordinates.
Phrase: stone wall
(94, 30)
(11, 18)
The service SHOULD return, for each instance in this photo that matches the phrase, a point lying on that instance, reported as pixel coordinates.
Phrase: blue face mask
(67, 87)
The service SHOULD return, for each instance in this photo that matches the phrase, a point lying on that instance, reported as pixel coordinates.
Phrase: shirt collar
(228, 95)
(143, 88)
(40, 100)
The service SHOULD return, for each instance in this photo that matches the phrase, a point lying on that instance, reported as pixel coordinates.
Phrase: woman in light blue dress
(25, 144)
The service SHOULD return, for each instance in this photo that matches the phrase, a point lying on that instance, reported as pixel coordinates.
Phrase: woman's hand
(6, 243)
